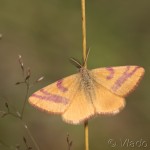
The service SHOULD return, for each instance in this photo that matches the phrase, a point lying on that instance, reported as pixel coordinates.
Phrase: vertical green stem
(84, 58)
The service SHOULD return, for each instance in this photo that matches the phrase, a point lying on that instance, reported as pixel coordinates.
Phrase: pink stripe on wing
(111, 71)
(51, 97)
(124, 77)
(60, 86)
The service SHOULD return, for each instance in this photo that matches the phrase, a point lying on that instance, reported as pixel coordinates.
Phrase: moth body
(87, 83)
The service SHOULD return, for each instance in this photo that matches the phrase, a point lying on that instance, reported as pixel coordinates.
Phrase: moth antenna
(87, 55)
(75, 62)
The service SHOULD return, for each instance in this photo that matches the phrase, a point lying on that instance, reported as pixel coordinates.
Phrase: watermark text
(140, 143)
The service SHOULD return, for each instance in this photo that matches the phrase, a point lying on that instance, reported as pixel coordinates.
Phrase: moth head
(77, 63)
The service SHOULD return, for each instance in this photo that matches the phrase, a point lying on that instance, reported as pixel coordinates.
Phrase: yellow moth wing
(80, 109)
(106, 102)
(56, 97)
(119, 80)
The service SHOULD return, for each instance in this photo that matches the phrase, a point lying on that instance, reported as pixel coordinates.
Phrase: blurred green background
(46, 33)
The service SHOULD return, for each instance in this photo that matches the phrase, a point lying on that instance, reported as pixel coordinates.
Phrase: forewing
(106, 102)
(119, 80)
(56, 97)
(80, 109)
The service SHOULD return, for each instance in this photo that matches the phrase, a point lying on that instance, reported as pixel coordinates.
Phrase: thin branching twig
(19, 115)
(69, 142)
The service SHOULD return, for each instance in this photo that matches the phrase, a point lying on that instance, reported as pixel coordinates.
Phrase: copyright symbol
(112, 142)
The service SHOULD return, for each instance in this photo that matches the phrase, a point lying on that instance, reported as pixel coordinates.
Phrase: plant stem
(85, 65)
(83, 30)
(30, 135)
(86, 133)
(22, 113)
(19, 115)
(27, 129)
(25, 100)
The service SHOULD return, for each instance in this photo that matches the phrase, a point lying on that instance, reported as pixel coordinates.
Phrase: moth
(88, 93)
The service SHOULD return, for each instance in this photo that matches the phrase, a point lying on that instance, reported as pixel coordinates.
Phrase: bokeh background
(46, 33)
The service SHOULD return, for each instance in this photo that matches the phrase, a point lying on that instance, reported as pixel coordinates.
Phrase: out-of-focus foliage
(46, 33)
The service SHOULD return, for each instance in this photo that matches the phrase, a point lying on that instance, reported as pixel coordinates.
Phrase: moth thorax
(86, 80)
